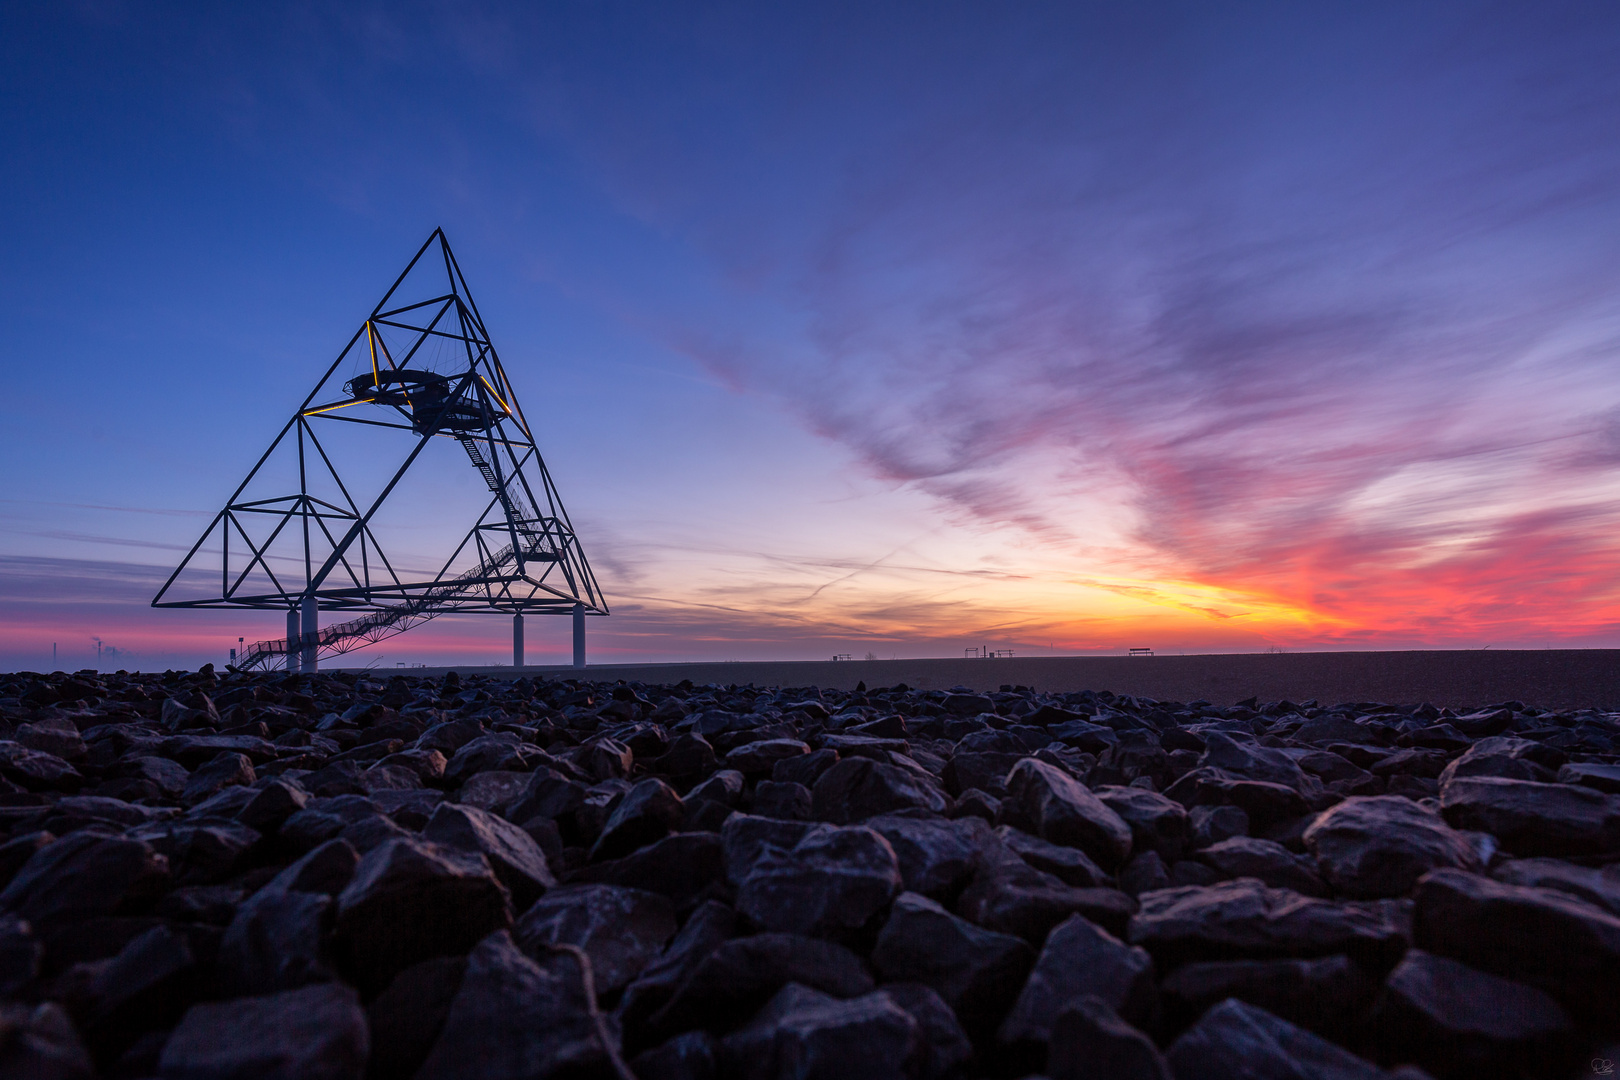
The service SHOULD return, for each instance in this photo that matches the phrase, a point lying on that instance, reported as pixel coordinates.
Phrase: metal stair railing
(343, 637)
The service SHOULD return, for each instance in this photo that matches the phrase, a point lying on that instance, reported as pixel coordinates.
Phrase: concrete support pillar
(517, 640)
(293, 634)
(579, 635)
(312, 629)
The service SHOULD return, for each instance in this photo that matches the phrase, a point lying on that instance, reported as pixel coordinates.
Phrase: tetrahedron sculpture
(372, 453)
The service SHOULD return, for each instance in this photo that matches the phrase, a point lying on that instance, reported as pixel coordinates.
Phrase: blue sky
(888, 328)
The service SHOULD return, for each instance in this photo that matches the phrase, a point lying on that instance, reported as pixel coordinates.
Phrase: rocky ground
(348, 875)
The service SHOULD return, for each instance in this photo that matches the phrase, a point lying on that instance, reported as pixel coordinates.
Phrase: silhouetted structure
(297, 536)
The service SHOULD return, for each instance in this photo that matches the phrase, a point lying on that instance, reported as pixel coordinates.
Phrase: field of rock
(349, 875)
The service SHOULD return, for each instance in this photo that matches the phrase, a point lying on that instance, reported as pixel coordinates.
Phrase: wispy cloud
(1307, 308)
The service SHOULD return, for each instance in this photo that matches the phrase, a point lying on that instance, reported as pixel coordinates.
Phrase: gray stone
(977, 972)
(1144, 873)
(710, 926)
(276, 942)
(1047, 802)
(1328, 995)
(1091, 1042)
(145, 987)
(803, 1032)
(1265, 860)
(314, 1033)
(984, 771)
(724, 787)
(199, 852)
(1081, 960)
(326, 869)
(1499, 756)
(1455, 1021)
(522, 1017)
(937, 858)
(1600, 887)
(273, 804)
(689, 868)
(806, 769)
(731, 981)
(42, 1044)
(946, 1047)
(1212, 824)
(407, 1018)
(1069, 865)
(1013, 897)
(225, 770)
(1380, 846)
(688, 1056)
(858, 788)
(759, 758)
(1157, 823)
(1235, 1039)
(620, 929)
(1246, 919)
(492, 789)
(1534, 819)
(84, 875)
(499, 752)
(1243, 758)
(1592, 774)
(788, 801)
(805, 879)
(410, 900)
(1541, 937)
(512, 853)
(648, 812)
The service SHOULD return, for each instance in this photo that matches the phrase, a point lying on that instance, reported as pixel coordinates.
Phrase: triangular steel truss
(420, 368)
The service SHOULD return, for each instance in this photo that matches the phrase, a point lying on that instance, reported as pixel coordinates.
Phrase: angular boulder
(621, 930)
(937, 858)
(648, 812)
(522, 1016)
(1081, 960)
(1455, 1021)
(1245, 919)
(858, 788)
(410, 900)
(86, 874)
(815, 880)
(1328, 995)
(1370, 847)
(314, 1033)
(1046, 802)
(1264, 860)
(1534, 819)
(977, 972)
(1235, 1039)
(1541, 937)
(731, 981)
(1157, 823)
(1091, 1042)
(512, 853)
(803, 1032)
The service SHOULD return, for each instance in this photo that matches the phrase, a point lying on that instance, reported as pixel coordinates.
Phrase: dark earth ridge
(381, 874)
(1544, 678)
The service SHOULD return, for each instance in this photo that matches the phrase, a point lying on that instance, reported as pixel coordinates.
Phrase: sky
(884, 329)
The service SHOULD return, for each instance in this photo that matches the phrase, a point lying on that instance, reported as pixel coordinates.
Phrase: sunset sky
(847, 328)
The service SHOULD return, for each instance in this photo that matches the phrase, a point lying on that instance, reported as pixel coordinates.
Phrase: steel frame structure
(527, 558)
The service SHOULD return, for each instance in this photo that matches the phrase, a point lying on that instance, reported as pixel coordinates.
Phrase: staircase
(476, 455)
(539, 545)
